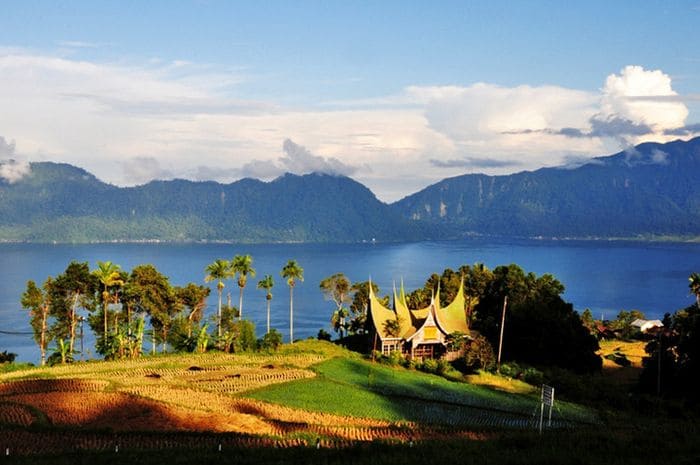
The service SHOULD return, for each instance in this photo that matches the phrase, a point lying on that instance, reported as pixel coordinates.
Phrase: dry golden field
(184, 394)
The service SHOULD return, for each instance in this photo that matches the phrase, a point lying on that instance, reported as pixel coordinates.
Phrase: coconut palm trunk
(220, 290)
(243, 265)
(292, 271)
(218, 271)
(291, 313)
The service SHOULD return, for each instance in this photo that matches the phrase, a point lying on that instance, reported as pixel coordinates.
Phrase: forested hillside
(651, 189)
(59, 202)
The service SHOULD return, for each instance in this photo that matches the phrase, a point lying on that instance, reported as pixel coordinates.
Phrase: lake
(603, 276)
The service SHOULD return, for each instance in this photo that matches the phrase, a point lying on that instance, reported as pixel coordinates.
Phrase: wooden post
(500, 340)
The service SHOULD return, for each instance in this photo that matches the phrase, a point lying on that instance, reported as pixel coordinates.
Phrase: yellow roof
(452, 318)
(404, 314)
(380, 314)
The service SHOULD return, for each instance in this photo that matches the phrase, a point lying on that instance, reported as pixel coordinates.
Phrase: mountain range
(649, 190)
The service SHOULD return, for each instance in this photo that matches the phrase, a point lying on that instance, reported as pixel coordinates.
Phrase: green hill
(648, 190)
(59, 202)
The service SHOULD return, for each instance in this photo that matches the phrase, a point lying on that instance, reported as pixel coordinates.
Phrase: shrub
(245, 336)
(478, 354)
(271, 340)
(7, 357)
(533, 376)
(511, 370)
(429, 366)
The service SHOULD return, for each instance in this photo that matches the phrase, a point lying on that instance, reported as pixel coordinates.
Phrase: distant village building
(646, 325)
(421, 333)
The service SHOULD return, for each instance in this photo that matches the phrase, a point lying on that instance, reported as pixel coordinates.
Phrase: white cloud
(299, 160)
(11, 169)
(128, 123)
(140, 170)
(642, 96)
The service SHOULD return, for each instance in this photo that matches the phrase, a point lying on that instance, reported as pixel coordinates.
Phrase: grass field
(363, 389)
(273, 408)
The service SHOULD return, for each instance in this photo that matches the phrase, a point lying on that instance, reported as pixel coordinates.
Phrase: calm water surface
(605, 277)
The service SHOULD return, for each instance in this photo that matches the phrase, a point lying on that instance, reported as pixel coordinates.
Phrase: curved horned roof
(450, 319)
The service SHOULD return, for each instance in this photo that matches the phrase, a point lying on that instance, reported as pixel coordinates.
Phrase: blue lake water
(603, 276)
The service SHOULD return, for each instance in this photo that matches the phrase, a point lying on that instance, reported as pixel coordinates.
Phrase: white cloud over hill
(128, 123)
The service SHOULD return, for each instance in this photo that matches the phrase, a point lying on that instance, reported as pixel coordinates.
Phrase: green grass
(359, 388)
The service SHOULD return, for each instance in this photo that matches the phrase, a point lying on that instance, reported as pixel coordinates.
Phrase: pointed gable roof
(452, 318)
(379, 313)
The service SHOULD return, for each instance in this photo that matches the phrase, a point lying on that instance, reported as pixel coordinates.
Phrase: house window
(389, 347)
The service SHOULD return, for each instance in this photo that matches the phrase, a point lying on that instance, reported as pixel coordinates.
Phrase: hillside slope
(652, 189)
(59, 202)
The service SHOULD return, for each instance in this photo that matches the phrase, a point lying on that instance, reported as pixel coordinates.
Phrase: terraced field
(312, 393)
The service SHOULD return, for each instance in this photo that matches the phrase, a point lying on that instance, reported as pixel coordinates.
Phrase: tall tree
(694, 285)
(476, 279)
(243, 265)
(109, 277)
(218, 271)
(152, 294)
(542, 328)
(38, 302)
(337, 288)
(194, 298)
(267, 283)
(292, 272)
(71, 290)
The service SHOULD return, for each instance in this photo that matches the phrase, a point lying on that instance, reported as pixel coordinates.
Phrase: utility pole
(658, 369)
(500, 340)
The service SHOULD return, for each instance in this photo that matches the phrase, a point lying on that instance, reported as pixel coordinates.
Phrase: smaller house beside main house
(417, 334)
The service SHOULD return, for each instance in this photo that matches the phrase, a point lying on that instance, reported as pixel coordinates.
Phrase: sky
(396, 94)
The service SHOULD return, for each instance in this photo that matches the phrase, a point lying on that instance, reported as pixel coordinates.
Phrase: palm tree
(243, 265)
(108, 275)
(291, 272)
(267, 283)
(219, 270)
(695, 287)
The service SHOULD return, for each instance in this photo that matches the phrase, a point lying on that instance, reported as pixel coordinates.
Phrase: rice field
(310, 394)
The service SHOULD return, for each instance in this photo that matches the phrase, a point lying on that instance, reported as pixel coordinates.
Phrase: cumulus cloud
(634, 106)
(488, 111)
(260, 169)
(193, 121)
(298, 159)
(140, 170)
(11, 169)
(643, 97)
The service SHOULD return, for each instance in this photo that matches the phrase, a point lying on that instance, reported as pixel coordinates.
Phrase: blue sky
(396, 94)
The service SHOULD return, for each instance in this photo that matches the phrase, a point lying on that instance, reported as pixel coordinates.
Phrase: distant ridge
(650, 190)
(59, 202)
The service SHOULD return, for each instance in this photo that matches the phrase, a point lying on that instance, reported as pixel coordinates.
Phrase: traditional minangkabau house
(417, 334)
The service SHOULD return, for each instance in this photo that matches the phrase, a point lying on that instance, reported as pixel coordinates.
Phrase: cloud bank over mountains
(132, 122)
